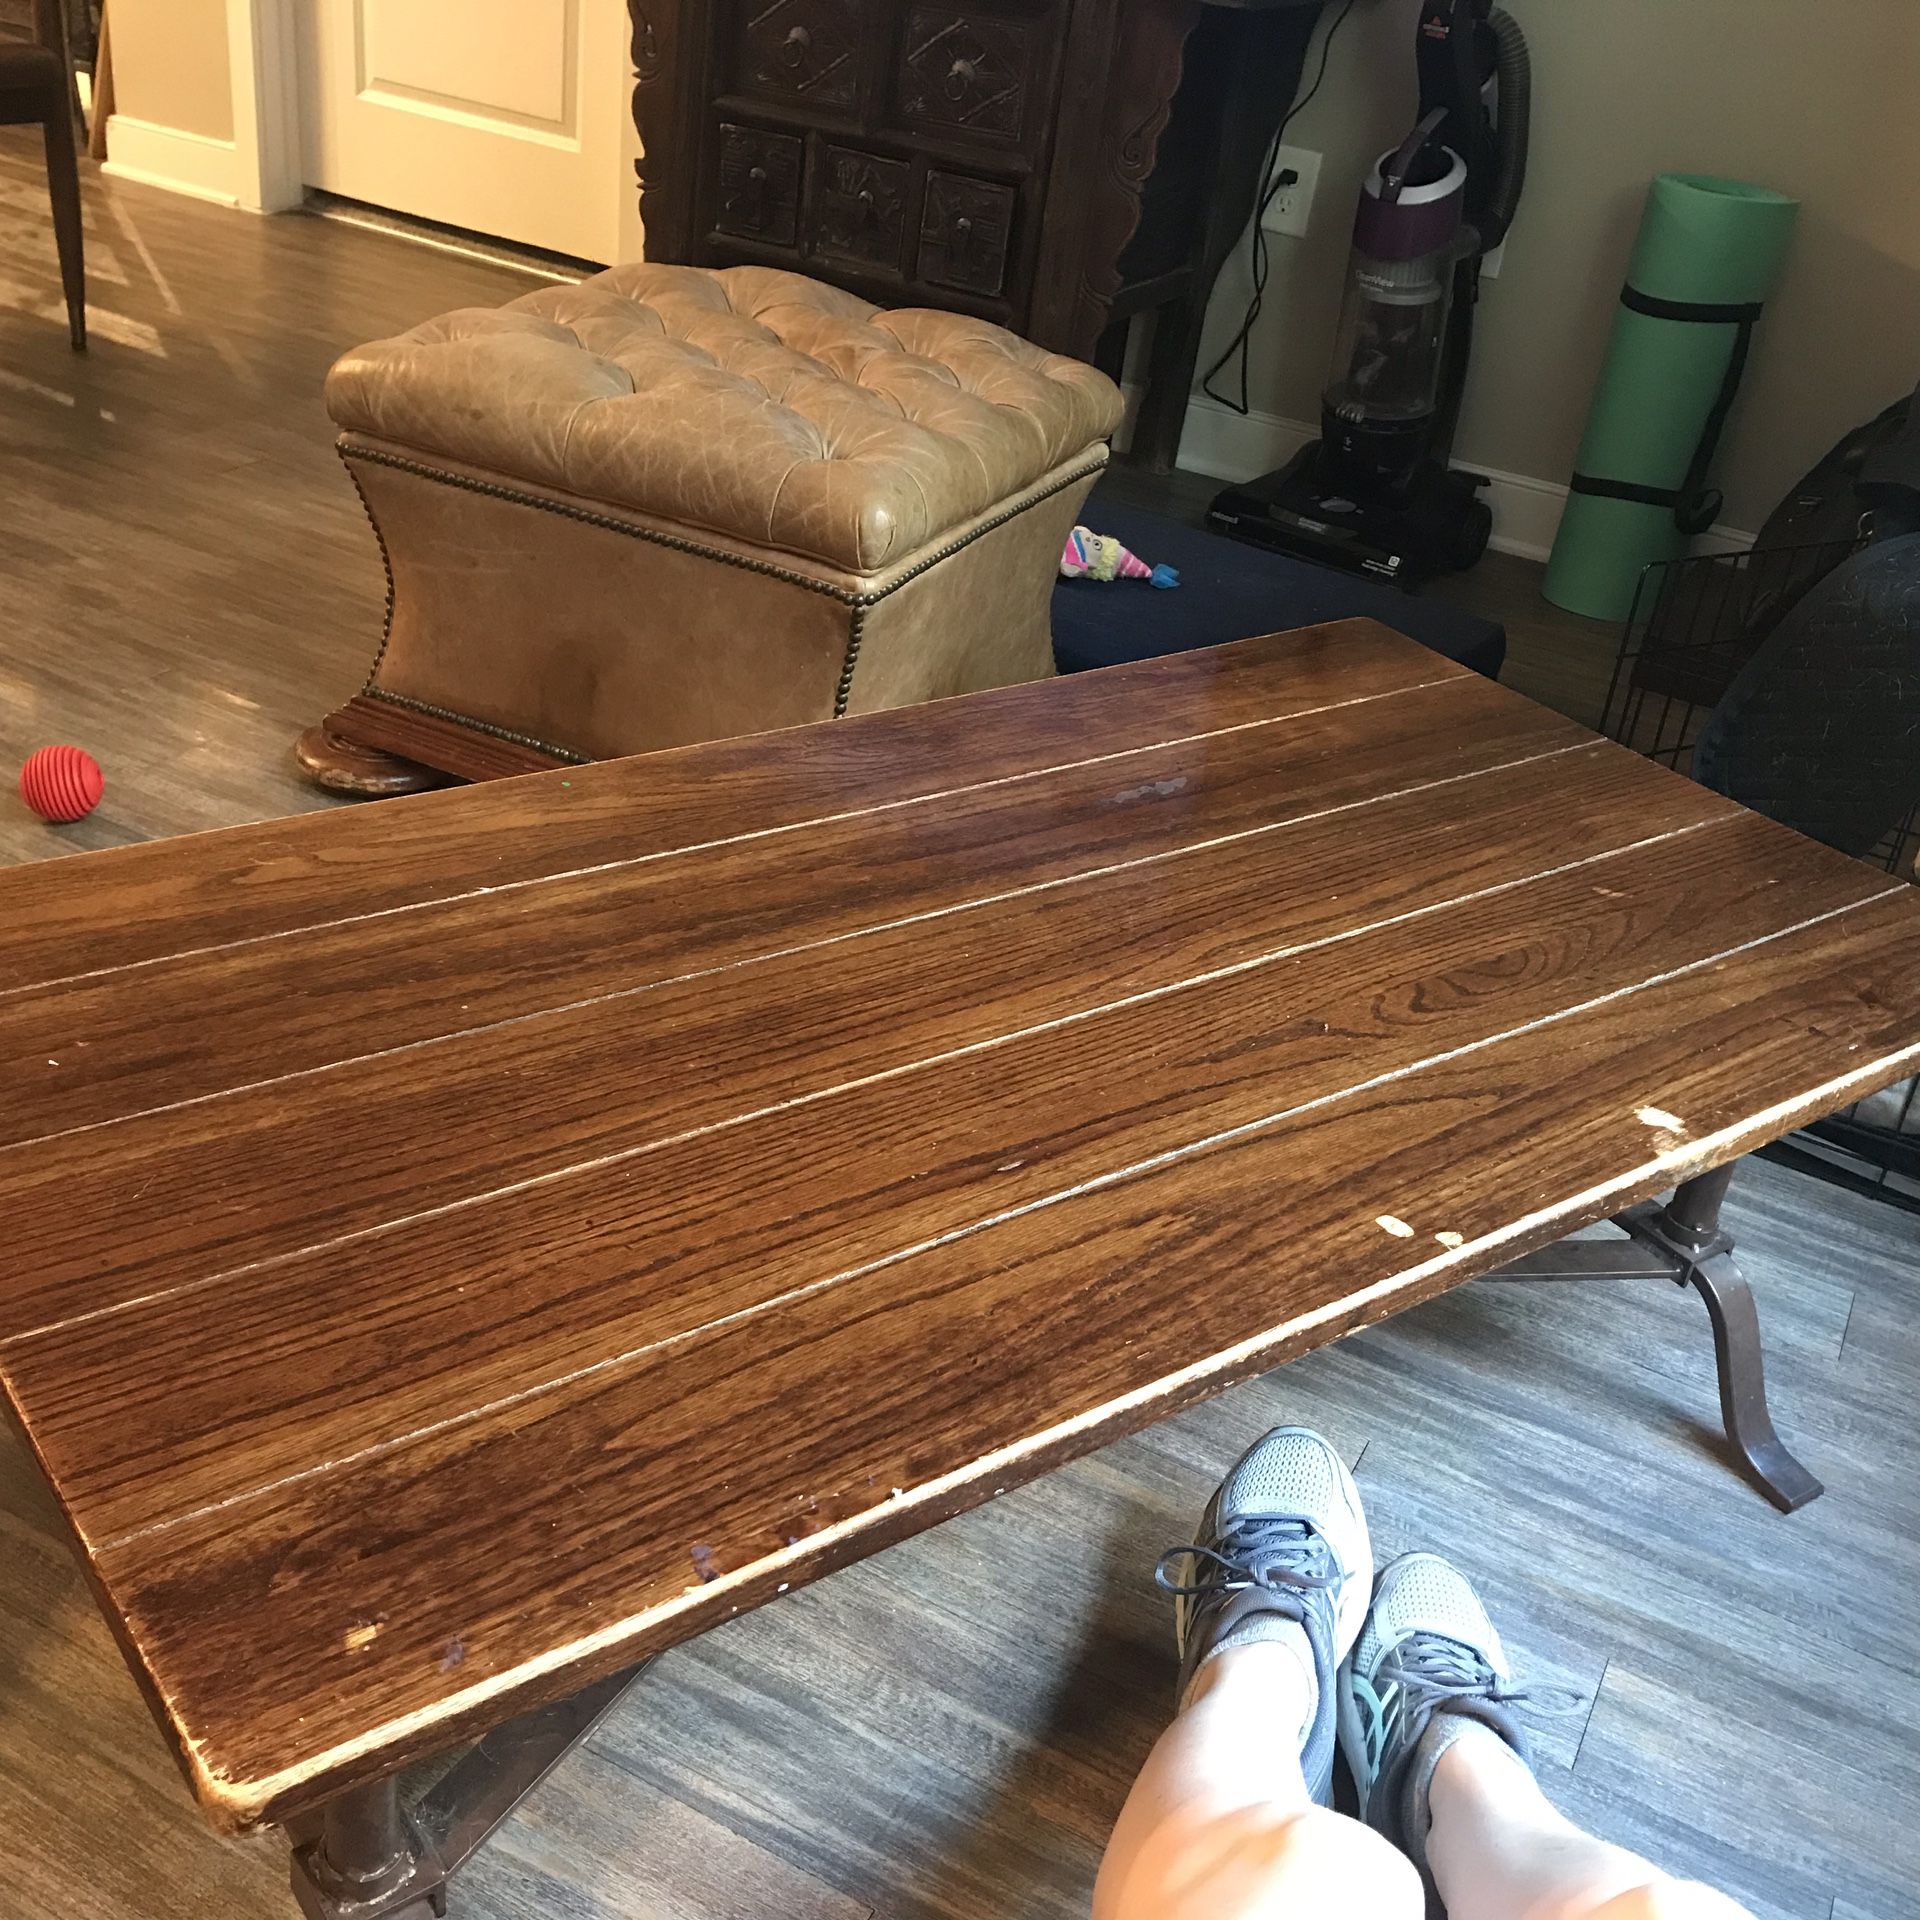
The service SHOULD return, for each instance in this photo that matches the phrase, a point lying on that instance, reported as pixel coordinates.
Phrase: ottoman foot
(330, 759)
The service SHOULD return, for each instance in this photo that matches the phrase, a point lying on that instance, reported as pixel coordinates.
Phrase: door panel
(501, 116)
(760, 185)
(860, 207)
(512, 59)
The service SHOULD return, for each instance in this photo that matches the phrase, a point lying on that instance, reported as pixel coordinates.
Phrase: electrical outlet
(1291, 208)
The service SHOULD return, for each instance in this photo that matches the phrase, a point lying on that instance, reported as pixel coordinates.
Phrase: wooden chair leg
(63, 184)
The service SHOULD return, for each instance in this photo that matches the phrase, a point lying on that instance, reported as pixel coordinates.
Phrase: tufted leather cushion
(750, 402)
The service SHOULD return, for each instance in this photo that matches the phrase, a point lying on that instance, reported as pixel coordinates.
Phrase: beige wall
(1821, 101)
(170, 64)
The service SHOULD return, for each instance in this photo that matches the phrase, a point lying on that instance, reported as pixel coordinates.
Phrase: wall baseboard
(167, 157)
(1526, 512)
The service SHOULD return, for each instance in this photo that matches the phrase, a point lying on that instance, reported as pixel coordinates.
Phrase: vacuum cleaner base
(1437, 524)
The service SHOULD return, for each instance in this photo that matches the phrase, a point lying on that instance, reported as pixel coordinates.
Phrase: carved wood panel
(1032, 131)
(966, 71)
(664, 105)
(759, 185)
(800, 50)
(859, 209)
(965, 230)
(1105, 143)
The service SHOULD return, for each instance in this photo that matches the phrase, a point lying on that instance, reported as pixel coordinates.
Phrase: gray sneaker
(1283, 1555)
(1426, 1668)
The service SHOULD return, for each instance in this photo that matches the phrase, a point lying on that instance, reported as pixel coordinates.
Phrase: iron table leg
(1693, 1214)
(368, 1857)
(1688, 1229)
(367, 1863)
(1685, 1243)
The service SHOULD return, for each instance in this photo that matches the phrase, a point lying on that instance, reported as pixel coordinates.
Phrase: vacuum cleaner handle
(1513, 71)
(1394, 171)
(1463, 49)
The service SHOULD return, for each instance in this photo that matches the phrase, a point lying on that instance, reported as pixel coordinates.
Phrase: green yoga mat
(1708, 254)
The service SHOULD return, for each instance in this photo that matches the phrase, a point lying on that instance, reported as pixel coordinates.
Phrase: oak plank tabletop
(464, 1244)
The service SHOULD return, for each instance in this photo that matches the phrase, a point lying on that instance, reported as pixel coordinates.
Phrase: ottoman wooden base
(340, 752)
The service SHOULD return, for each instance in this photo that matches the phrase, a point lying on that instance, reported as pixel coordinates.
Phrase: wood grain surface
(463, 1243)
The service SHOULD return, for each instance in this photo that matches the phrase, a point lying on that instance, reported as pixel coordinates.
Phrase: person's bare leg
(1500, 1850)
(1220, 1825)
(1442, 1768)
(1228, 1819)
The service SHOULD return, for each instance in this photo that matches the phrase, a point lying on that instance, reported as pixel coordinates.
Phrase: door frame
(263, 60)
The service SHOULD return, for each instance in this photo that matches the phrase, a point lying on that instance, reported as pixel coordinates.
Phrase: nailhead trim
(479, 726)
(386, 563)
(373, 692)
(858, 603)
(493, 490)
(1014, 509)
(856, 621)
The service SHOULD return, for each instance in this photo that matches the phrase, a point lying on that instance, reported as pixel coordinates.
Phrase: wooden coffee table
(462, 1246)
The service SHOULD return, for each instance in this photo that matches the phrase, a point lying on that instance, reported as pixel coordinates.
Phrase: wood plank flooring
(947, 1730)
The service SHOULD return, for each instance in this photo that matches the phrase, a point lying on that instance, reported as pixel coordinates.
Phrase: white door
(506, 117)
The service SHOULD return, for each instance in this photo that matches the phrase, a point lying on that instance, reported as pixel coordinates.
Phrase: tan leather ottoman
(669, 505)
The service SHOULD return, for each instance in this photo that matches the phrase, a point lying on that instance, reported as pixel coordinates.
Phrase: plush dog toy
(1099, 556)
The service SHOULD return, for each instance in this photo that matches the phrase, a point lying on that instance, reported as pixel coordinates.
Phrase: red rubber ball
(61, 783)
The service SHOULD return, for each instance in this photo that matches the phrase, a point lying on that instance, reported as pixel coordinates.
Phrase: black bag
(1867, 489)
(1868, 485)
(1820, 729)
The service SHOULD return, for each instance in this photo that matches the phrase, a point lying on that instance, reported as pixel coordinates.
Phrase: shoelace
(1274, 1554)
(1428, 1669)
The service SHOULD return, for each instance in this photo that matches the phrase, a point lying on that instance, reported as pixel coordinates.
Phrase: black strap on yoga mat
(1695, 506)
(1711, 313)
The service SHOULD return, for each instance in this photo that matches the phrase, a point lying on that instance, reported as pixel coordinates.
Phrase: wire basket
(1694, 625)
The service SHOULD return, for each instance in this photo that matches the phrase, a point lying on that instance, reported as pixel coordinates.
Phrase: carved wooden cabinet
(1054, 165)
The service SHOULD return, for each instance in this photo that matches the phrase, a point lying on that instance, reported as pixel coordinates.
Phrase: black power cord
(1272, 180)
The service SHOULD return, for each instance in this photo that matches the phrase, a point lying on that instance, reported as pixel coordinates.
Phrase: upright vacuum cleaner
(1376, 493)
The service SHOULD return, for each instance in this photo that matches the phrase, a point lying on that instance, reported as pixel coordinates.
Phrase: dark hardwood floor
(945, 1732)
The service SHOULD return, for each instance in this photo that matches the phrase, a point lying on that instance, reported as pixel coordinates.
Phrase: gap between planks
(810, 946)
(733, 839)
(599, 1162)
(1682, 1152)
(603, 1641)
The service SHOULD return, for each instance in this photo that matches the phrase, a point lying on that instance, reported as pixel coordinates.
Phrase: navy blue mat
(1230, 591)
